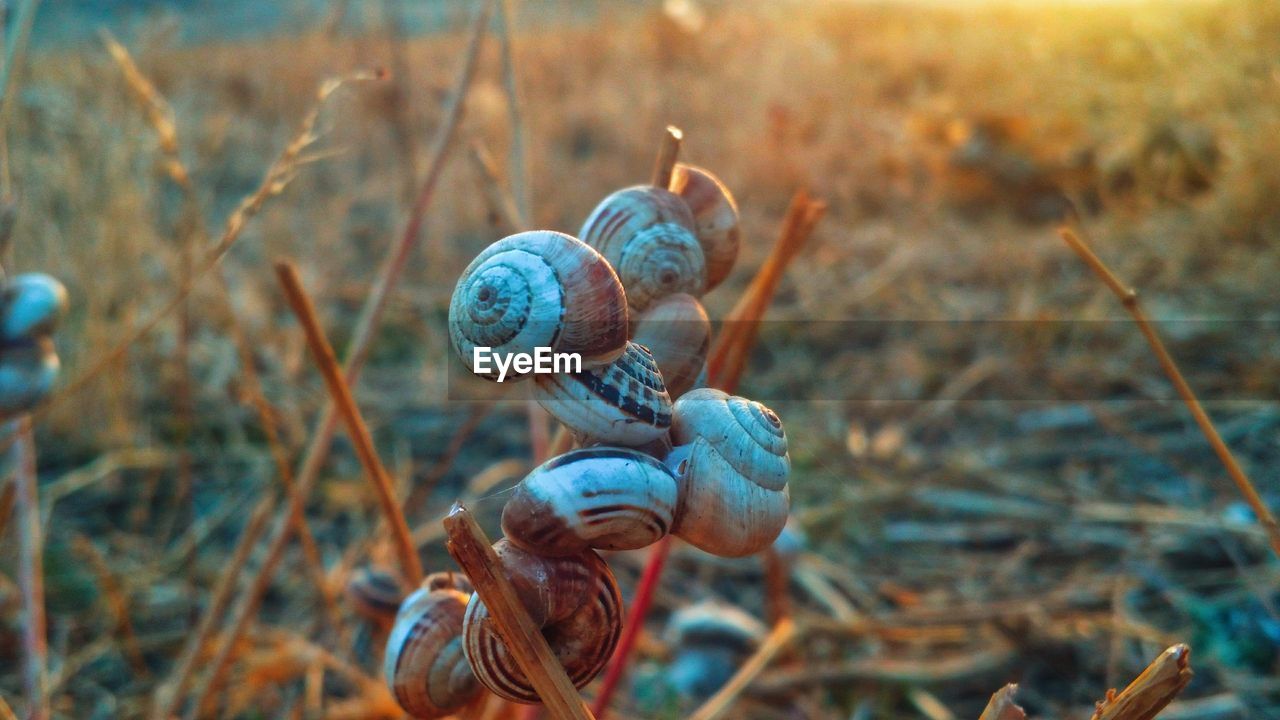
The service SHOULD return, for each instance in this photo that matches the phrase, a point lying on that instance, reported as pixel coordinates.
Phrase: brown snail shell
(539, 289)
(601, 497)
(677, 332)
(424, 664)
(28, 370)
(646, 233)
(375, 594)
(622, 403)
(731, 464)
(715, 218)
(575, 600)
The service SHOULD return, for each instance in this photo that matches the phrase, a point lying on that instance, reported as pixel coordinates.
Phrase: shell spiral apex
(539, 289)
(647, 234)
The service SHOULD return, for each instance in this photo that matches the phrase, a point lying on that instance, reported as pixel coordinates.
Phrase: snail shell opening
(602, 498)
(623, 403)
(539, 289)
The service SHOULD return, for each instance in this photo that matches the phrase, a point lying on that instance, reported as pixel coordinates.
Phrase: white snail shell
(601, 497)
(647, 234)
(715, 218)
(33, 304)
(424, 664)
(710, 640)
(539, 289)
(731, 464)
(622, 403)
(574, 600)
(27, 373)
(676, 330)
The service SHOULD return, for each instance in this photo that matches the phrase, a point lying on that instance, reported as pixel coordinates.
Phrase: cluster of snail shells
(658, 453)
(31, 305)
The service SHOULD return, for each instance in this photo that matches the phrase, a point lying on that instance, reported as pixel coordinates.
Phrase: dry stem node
(472, 550)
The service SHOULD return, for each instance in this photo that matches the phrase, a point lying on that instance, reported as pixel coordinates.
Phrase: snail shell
(539, 289)
(574, 600)
(647, 234)
(715, 218)
(27, 373)
(424, 664)
(375, 594)
(623, 403)
(731, 465)
(33, 304)
(677, 332)
(601, 497)
(710, 639)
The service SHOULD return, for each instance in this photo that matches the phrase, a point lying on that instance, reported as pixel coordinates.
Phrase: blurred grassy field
(965, 430)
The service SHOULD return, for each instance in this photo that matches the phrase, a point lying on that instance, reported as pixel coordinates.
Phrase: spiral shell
(574, 600)
(715, 218)
(603, 498)
(375, 594)
(647, 234)
(539, 289)
(731, 465)
(424, 664)
(623, 403)
(677, 332)
(33, 304)
(27, 372)
(710, 640)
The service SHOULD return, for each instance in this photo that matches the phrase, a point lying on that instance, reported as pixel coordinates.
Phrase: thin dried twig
(668, 152)
(357, 350)
(511, 85)
(276, 179)
(340, 394)
(30, 570)
(471, 549)
(1152, 690)
(1002, 705)
(720, 703)
(1129, 298)
(169, 694)
(116, 601)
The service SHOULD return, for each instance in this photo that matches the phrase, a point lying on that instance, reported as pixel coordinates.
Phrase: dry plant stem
(277, 178)
(718, 705)
(474, 554)
(511, 85)
(30, 571)
(167, 696)
(357, 350)
(340, 395)
(116, 601)
(1152, 690)
(1002, 705)
(668, 152)
(6, 712)
(8, 496)
(160, 117)
(731, 352)
(1129, 298)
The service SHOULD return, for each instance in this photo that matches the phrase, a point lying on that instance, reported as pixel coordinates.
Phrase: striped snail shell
(574, 600)
(600, 497)
(33, 304)
(424, 664)
(646, 232)
(715, 218)
(676, 330)
(622, 403)
(28, 370)
(731, 465)
(539, 289)
(375, 594)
